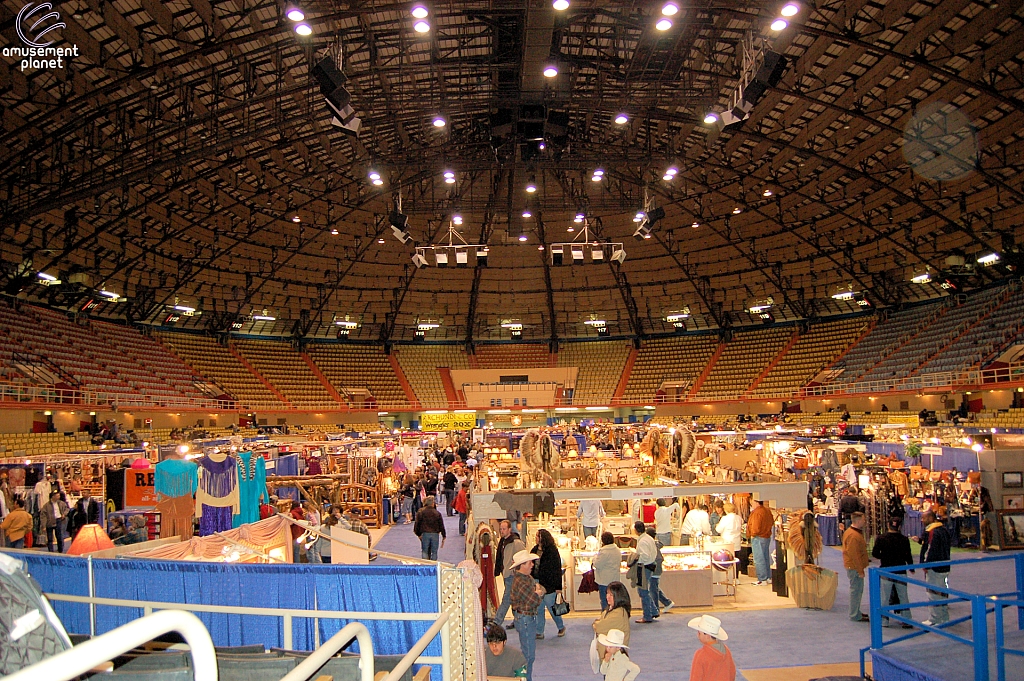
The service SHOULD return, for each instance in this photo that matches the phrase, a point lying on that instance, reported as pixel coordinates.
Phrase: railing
(980, 609)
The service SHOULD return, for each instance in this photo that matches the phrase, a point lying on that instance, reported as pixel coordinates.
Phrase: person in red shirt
(461, 506)
(713, 661)
(298, 550)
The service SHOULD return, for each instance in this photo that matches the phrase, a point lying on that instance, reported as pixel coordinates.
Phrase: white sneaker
(759, 583)
(928, 623)
(666, 608)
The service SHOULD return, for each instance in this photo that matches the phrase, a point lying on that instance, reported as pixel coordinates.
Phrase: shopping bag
(595, 657)
(812, 586)
(561, 606)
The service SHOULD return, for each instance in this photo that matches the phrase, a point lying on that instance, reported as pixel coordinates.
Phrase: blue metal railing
(981, 606)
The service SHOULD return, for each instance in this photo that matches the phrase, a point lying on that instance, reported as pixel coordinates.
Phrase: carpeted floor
(770, 640)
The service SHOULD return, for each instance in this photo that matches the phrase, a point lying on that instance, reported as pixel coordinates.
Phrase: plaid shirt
(357, 525)
(524, 598)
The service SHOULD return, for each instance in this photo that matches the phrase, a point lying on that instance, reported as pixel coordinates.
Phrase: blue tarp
(960, 458)
(358, 588)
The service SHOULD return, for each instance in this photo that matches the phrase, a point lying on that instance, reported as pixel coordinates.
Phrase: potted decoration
(913, 451)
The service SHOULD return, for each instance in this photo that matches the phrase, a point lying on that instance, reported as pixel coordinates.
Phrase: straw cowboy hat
(523, 556)
(614, 639)
(712, 626)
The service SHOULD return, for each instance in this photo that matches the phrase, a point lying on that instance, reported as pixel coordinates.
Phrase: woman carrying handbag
(548, 571)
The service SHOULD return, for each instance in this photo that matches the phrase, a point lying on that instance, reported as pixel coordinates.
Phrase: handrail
(410, 657)
(319, 657)
(78, 660)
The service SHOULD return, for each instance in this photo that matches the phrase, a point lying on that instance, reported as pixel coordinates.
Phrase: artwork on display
(478, 435)
(1013, 479)
(1011, 524)
(1013, 502)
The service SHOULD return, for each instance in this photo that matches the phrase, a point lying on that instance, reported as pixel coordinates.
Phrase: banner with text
(447, 421)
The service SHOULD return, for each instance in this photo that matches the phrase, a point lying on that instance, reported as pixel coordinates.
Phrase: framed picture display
(1013, 479)
(1011, 529)
(1013, 502)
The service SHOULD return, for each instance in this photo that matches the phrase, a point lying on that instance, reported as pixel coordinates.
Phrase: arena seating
(678, 358)
(421, 364)
(813, 351)
(216, 363)
(38, 444)
(1003, 418)
(284, 368)
(353, 368)
(983, 341)
(884, 339)
(600, 367)
(147, 355)
(518, 356)
(745, 356)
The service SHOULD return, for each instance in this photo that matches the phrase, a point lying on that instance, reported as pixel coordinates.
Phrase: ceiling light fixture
(527, 214)
(790, 9)
(378, 182)
(695, 225)
(523, 237)
(303, 29)
(663, 24)
(779, 25)
(294, 13)
(373, 175)
(456, 219)
(988, 258)
(531, 186)
(421, 26)
(737, 210)
(670, 9)
(766, 193)
(334, 232)
(560, 5)
(420, 12)
(296, 218)
(439, 122)
(550, 71)
(921, 277)
(621, 119)
(710, 118)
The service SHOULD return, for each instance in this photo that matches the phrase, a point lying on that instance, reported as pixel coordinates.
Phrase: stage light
(439, 122)
(779, 24)
(420, 12)
(441, 258)
(618, 255)
(639, 217)
(560, 5)
(456, 219)
(527, 214)
(710, 118)
(670, 9)
(550, 71)
(419, 260)
(621, 119)
(663, 24)
(303, 29)
(481, 257)
(556, 255)
(790, 9)
(577, 255)
(421, 26)
(988, 259)
(294, 13)
(597, 254)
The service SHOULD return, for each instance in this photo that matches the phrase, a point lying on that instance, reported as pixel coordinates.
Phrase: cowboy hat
(613, 639)
(712, 626)
(523, 557)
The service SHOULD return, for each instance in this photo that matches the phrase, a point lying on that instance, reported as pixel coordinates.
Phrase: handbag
(588, 584)
(561, 606)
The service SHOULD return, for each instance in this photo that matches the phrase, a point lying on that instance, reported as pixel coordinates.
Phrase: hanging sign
(448, 421)
(139, 488)
(904, 420)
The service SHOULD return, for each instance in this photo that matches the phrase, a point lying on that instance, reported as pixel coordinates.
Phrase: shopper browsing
(429, 528)
(759, 529)
(606, 566)
(643, 562)
(855, 560)
(527, 595)
(697, 521)
(508, 546)
(665, 519)
(590, 513)
(55, 515)
(713, 661)
(730, 527)
(662, 603)
(616, 665)
(935, 545)
(892, 549)
(17, 524)
(548, 572)
(500, 658)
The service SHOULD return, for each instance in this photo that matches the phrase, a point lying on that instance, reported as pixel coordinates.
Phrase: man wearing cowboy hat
(713, 662)
(526, 596)
(616, 665)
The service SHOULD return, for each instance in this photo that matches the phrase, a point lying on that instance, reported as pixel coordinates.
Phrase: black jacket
(892, 549)
(849, 504)
(548, 570)
(450, 481)
(935, 545)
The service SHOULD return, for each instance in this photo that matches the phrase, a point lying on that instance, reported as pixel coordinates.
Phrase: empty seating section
(679, 358)
(38, 444)
(885, 338)
(422, 364)
(600, 367)
(284, 368)
(525, 356)
(953, 322)
(149, 356)
(352, 368)
(1004, 418)
(745, 356)
(983, 341)
(216, 363)
(813, 351)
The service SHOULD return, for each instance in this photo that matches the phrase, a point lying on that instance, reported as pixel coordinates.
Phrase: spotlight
(419, 260)
(621, 119)
(560, 5)
(439, 122)
(710, 118)
(303, 29)
(577, 255)
(421, 26)
(790, 9)
(556, 255)
(481, 257)
(334, 231)
(527, 214)
(294, 13)
(618, 255)
(597, 254)
(449, 174)
(456, 219)
(441, 258)
(670, 9)
(550, 71)
(779, 24)
(523, 237)
(296, 218)
(531, 186)
(639, 217)
(766, 193)
(737, 210)
(373, 175)
(663, 24)
(420, 12)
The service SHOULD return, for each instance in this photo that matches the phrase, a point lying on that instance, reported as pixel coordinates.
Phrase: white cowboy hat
(614, 639)
(712, 626)
(523, 557)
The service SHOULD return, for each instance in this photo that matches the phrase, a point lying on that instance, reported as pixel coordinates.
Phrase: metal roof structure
(186, 156)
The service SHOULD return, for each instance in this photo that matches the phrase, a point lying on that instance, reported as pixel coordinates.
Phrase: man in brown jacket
(855, 560)
(759, 529)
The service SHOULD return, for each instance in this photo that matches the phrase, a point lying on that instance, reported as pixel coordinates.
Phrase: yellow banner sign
(904, 420)
(447, 421)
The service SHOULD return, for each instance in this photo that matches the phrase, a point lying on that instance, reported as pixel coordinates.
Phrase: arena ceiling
(168, 160)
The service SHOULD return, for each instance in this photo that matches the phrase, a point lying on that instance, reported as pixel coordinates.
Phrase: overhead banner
(448, 421)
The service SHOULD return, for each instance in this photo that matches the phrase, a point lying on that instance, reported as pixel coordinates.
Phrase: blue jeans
(589, 531)
(657, 597)
(429, 543)
(526, 626)
(55, 535)
(665, 538)
(901, 596)
(939, 613)
(462, 524)
(506, 601)
(547, 604)
(646, 599)
(760, 547)
(18, 543)
(313, 553)
(602, 592)
(856, 593)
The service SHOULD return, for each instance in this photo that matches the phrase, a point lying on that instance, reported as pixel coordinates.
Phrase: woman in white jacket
(607, 566)
(730, 527)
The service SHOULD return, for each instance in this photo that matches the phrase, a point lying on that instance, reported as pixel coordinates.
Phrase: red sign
(138, 488)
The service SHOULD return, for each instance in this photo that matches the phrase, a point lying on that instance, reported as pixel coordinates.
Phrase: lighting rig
(453, 253)
(581, 245)
(761, 69)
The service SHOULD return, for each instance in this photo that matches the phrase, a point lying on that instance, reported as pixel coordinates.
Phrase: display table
(828, 526)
